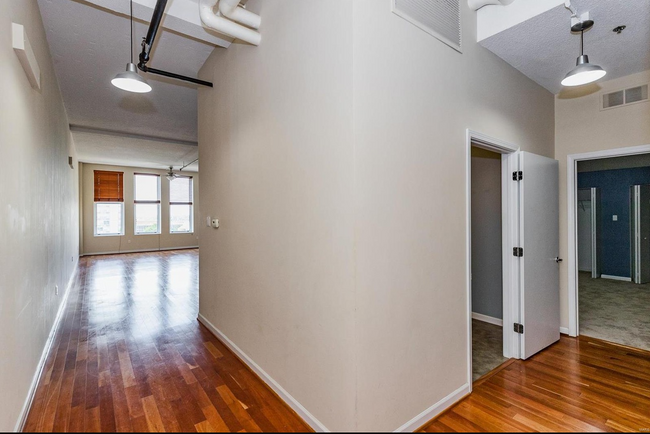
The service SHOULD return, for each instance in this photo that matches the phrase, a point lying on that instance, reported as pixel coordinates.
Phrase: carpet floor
(614, 311)
(487, 348)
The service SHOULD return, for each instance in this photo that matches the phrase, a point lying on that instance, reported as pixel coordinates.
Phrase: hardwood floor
(131, 356)
(579, 384)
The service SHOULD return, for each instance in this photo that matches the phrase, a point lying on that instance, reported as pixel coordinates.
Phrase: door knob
(558, 259)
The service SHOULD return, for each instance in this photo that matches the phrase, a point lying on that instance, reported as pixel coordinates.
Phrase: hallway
(131, 356)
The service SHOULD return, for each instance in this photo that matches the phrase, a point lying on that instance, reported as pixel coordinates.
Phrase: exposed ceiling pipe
(478, 4)
(224, 25)
(232, 10)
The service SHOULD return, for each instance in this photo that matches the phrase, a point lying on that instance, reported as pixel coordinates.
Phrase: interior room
(612, 295)
(487, 266)
(324, 215)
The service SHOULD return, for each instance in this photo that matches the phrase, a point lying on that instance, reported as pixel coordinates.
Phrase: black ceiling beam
(147, 44)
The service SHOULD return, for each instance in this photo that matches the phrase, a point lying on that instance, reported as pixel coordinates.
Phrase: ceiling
(544, 49)
(89, 46)
(124, 150)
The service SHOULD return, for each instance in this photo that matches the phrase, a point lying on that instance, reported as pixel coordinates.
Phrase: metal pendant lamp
(130, 80)
(584, 72)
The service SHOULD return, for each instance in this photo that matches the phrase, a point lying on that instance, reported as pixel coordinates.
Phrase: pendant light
(584, 72)
(131, 80)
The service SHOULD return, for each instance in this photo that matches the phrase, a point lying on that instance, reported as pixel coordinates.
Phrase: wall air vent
(439, 18)
(625, 97)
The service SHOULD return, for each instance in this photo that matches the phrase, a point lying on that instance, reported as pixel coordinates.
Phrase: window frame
(95, 219)
(190, 204)
(146, 202)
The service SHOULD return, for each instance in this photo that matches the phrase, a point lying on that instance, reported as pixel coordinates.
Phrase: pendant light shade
(584, 72)
(131, 80)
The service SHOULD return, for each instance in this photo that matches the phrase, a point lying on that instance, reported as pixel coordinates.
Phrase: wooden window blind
(109, 186)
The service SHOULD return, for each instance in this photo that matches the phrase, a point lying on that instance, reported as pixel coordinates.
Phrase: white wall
(38, 209)
(275, 139)
(487, 252)
(334, 156)
(414, 98)
(129, 242)
(580, 126)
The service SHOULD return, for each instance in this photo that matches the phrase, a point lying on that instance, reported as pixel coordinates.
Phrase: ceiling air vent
(636, 94)
(439, 18)
(625, 97)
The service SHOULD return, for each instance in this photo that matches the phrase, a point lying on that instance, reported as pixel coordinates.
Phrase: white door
(539, 267)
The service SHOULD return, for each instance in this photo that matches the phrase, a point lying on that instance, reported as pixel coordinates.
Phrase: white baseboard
(564, 330)
(437, 408)
(283, 394)
(119, 252)
(487, 319)
(622, 279)
(20, 425)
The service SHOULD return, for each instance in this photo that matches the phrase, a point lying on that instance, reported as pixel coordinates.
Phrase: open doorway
(487, 261)
(521, 259)
(612, 209)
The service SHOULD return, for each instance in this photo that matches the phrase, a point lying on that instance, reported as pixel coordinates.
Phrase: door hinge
(519, 328)
(518, 251)
(518, 175)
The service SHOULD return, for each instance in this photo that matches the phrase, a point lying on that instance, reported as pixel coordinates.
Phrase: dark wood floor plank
(130, 355)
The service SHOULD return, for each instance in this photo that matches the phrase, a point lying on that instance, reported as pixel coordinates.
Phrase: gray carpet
(487, 348)
(614, 311)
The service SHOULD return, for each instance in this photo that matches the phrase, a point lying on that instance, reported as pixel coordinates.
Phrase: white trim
(119, 252)
(572, 260)
(46, 350)
(509, 162)
(435, 409)
(283, 394)
(610, 277)
(487, 319)
(564, 330)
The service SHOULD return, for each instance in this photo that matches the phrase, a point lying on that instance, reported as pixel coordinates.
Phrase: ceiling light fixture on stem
(130, 80)
(584, 72)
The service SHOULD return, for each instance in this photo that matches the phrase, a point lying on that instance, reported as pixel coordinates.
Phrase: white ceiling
(124, 150)
(544, 49)
(89, 45)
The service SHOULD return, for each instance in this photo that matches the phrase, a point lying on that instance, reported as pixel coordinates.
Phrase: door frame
(510, 238)
(572, 224)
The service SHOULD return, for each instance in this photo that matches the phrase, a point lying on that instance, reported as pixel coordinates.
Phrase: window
(147, 203)
(181, 206)
(109, 203)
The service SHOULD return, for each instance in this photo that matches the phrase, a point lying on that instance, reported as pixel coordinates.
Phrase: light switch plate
(614, 218)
